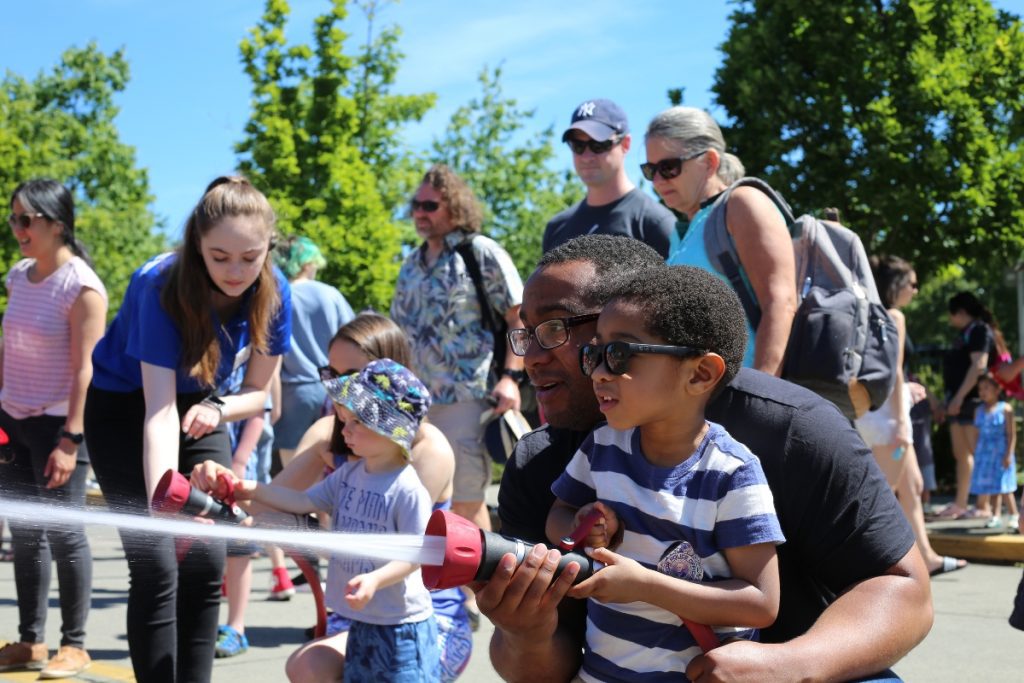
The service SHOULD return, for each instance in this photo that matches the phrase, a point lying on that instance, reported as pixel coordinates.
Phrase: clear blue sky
(188, 100)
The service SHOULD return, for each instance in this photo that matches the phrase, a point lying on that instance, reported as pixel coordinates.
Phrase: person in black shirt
(850, 570)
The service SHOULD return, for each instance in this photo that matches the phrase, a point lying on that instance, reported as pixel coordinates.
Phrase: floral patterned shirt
(437, 307)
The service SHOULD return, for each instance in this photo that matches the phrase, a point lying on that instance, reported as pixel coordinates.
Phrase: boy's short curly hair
(613, 257)
(687, 306)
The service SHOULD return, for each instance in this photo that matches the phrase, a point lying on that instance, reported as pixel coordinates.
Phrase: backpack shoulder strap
(465, 250)
(721, 250)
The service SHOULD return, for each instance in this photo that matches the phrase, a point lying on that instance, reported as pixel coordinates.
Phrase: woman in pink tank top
(56, 311)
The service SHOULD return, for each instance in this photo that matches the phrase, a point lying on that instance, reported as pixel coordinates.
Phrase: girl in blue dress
(995, 471)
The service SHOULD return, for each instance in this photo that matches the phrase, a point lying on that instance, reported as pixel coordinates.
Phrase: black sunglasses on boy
(615, 355)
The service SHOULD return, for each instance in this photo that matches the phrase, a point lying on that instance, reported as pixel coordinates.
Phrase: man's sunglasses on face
(550, 334)
(615, 355)
(579, 146)
(667, 168)
(427, 205)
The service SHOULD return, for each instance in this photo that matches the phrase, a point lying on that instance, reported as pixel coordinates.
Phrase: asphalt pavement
(970, 640)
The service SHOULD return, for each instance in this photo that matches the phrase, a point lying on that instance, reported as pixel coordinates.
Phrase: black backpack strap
(465, 250)
(731, 271)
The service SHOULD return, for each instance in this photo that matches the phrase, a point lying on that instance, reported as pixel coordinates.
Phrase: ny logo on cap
(586, 109)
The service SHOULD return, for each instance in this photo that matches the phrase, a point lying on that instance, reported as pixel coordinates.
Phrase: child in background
(661, 474)
(251, 442)
(393, 635)
(995, 472)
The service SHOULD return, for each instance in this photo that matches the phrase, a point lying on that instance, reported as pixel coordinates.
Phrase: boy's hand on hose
(621, 579)
(602, 534)
(361, 590)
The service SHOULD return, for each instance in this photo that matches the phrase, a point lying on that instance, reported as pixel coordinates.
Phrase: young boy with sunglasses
(667, 482)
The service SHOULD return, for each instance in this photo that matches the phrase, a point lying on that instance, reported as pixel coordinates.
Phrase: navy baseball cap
(600, 119)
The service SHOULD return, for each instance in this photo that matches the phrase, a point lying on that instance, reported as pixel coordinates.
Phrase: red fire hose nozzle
(174, 494)
(472, 554)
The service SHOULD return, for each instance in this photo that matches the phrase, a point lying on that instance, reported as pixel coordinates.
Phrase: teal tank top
(689, 251)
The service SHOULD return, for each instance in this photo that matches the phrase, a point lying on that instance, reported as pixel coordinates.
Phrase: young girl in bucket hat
(393, 635)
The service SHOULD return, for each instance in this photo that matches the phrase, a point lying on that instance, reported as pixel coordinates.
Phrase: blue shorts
(403, 653)
(454, 638)
(301, 405)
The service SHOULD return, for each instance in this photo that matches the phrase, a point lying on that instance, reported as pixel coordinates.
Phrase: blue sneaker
(230, 642)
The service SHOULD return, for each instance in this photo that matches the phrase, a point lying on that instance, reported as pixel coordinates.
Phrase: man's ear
(627, 141)
(707, 373)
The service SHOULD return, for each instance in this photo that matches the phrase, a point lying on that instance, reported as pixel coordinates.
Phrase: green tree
(906, 114)
(510, 171)
(322, 133)
(61, 125)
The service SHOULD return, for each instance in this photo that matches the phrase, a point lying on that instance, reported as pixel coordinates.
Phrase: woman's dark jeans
(173, 607)
(36, 546)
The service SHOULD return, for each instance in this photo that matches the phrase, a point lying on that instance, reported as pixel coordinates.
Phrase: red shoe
(281, 587)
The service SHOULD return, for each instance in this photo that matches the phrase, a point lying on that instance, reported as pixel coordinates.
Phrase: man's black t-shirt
(634, 215)
(841, 520)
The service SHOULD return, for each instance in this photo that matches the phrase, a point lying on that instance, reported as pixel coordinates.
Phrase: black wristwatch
(518, 375)
(74, 437)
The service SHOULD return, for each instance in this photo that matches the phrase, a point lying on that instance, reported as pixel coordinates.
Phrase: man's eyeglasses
(615, 355)
(667, 168)
(578, 146)
(427, 205)
(23, 220)
(550, 334)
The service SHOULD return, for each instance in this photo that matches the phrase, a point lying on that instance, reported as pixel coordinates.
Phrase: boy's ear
(707, 373)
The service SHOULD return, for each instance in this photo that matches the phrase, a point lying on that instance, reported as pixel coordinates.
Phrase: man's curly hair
(613, 257)
(465, 211)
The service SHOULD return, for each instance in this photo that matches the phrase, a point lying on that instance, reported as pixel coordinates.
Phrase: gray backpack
(842, 336)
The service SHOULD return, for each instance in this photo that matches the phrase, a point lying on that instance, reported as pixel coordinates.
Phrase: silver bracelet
(215, 402)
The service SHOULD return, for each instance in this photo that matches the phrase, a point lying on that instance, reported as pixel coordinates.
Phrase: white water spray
(403, 547)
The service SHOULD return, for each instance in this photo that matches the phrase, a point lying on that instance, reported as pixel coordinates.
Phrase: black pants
(32, 440)
(173, 608)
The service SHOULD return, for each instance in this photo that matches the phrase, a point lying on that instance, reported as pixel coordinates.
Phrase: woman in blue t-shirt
(689, 168)
(188, 319)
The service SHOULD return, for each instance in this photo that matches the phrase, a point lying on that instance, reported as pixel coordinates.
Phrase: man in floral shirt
(436, 304)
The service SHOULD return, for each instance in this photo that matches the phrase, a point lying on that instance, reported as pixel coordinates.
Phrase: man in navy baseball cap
(598, 136)
(600, 119)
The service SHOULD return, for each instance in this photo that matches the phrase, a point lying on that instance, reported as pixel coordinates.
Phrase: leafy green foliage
(906, 114)
(322, 142)
(61, 125)
(512, 177)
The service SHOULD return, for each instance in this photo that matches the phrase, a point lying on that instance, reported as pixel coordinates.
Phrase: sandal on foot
(951, 511)
(949, 564)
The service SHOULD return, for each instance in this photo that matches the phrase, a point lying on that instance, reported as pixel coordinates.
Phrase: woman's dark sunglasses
(23, 220)
(550, 334)
(578, 146)
(328, 373)
(615, 355)
(426, 205)
(667, 168)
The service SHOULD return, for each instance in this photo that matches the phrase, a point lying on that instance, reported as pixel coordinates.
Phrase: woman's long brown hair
(186, 295)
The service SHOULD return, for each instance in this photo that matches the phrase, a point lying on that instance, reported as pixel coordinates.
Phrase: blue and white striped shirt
(716, 499)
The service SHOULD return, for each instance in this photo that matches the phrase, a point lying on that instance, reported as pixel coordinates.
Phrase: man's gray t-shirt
(361, 502)
(635, 215)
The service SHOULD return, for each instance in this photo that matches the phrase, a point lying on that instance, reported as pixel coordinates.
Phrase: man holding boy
(855, 591)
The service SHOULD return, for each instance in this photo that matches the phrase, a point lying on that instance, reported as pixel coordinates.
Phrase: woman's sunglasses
(328, 373)
(666, 168)
(23, 220)
(615, 355)
(427, 205)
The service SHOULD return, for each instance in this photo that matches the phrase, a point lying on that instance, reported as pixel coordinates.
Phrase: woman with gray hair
(689, 167)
